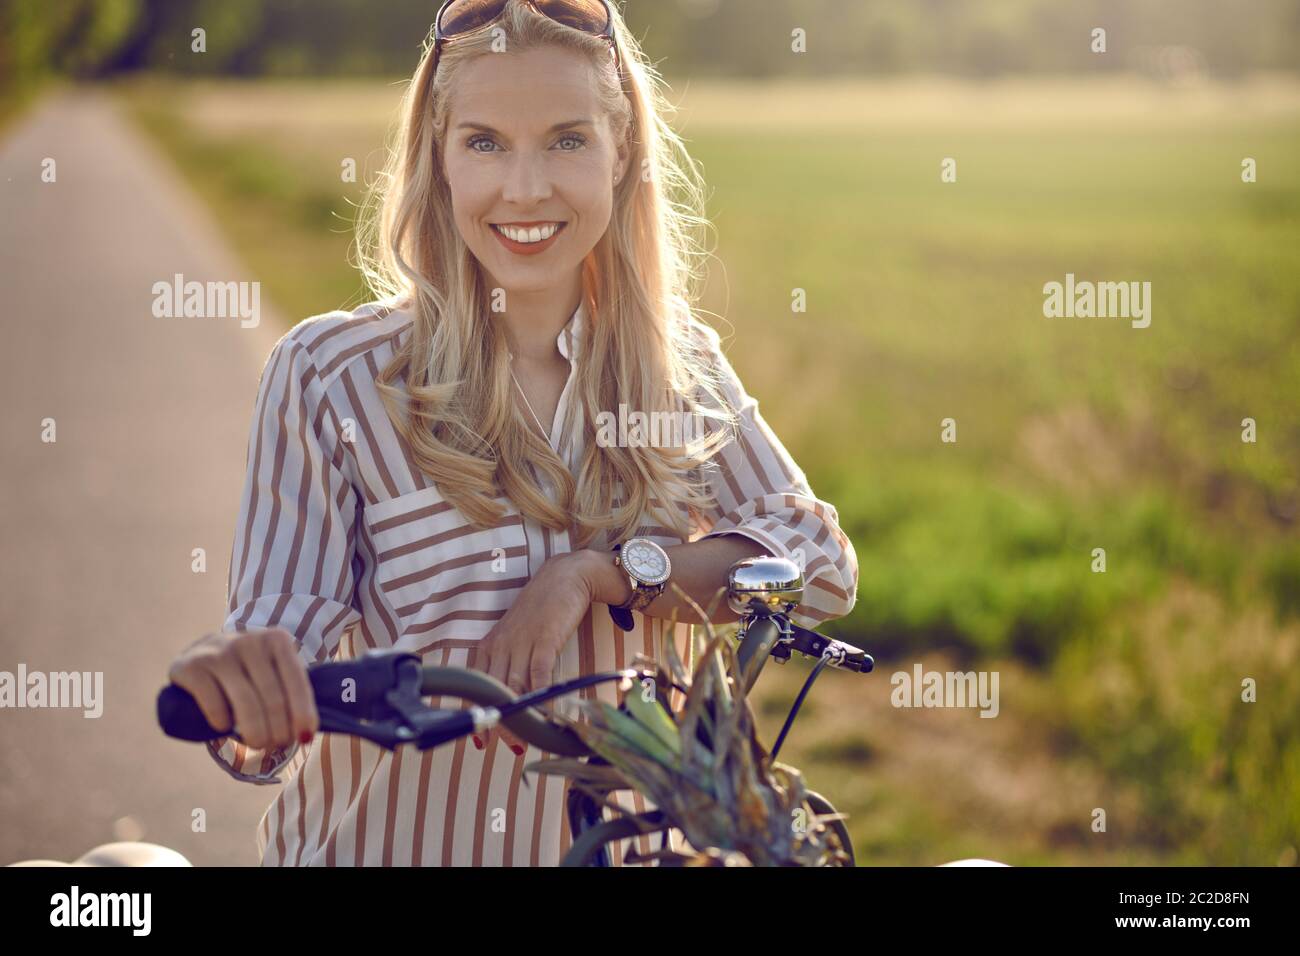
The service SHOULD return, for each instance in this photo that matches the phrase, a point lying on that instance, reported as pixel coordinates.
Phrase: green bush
(1156, 699)
(988, 572)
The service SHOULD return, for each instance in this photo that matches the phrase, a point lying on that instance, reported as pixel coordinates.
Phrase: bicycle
(388, 709)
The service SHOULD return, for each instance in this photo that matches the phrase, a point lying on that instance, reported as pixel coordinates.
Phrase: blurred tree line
(739, 38)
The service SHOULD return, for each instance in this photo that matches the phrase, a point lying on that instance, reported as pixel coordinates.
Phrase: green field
(1119, 690)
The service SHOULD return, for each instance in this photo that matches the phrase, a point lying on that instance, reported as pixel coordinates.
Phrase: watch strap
(622, 617)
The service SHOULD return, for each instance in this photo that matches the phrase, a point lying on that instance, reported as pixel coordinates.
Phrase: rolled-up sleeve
(291, 565)
(763, 494)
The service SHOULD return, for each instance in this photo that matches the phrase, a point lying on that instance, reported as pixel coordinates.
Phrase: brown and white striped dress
(344, 543)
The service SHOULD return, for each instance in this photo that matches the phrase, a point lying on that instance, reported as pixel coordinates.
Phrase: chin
(534, 278)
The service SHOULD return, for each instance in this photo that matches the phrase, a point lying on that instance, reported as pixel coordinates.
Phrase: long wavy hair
(642, 345)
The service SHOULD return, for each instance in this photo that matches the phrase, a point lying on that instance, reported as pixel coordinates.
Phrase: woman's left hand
(522, 648)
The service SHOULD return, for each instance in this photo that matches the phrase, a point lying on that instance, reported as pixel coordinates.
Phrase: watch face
(645, 561)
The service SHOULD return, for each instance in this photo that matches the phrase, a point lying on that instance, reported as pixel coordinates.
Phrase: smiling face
(530, 159)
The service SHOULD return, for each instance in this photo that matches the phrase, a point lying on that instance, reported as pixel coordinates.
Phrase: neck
(533, 320)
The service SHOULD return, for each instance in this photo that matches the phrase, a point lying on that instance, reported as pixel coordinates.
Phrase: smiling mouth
(528, 233)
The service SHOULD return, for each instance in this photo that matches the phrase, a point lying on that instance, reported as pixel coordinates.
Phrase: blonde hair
(641, 345)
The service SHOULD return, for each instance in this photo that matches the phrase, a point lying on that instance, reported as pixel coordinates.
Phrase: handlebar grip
(179, 716)
(860, 661)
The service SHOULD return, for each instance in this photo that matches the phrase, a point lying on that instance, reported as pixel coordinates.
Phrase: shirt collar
(571, 334)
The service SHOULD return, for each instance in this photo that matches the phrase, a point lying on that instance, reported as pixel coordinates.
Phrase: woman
(436, 472)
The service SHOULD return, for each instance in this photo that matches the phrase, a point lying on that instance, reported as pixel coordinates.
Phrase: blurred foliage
(259, 196)
(1282, 580)
(1159, 699)
(739, 38)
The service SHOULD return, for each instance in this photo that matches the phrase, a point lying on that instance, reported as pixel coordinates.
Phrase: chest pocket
(442, 576)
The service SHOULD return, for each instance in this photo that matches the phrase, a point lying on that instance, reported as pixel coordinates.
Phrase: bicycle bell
(764, 585)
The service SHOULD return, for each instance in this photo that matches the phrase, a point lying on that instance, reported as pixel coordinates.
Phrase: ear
(624, 156)
(439, 157)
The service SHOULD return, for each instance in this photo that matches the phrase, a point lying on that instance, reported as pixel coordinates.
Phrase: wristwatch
(647, 568)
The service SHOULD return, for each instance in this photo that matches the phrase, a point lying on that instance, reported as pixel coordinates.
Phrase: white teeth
(535, 234)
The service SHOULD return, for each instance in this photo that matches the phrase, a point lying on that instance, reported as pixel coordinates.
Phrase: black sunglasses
(459, 17)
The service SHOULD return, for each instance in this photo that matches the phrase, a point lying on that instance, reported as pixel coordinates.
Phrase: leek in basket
(704, 767)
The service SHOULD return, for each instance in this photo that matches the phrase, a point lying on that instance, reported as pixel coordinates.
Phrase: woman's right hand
(252, 683)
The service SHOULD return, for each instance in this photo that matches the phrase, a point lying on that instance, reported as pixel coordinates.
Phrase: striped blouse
(345, 544)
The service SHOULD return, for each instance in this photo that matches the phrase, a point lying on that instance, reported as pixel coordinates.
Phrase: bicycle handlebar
(379, 696)
(383, 704)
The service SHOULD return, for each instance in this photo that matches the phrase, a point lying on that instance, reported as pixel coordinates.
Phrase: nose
(527, 182)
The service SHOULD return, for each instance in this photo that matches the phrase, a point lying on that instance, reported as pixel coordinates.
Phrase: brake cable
(828, 656)
(400, 716)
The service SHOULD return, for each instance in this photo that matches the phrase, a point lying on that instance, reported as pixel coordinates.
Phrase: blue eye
(474, 141)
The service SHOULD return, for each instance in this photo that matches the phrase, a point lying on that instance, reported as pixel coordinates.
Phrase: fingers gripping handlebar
(378, 697)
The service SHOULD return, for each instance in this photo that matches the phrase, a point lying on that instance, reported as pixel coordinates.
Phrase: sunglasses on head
(460, 17)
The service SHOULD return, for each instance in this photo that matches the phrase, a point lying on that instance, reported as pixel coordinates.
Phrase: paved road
(152, 418)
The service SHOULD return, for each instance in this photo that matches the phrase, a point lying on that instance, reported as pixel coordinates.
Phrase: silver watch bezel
(657, 582)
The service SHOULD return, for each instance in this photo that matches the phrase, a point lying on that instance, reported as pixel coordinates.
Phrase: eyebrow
(483, 127)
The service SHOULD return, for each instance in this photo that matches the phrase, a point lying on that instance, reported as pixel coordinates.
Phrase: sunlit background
(1120, 689)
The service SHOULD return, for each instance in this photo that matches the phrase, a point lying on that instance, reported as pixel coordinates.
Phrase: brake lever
(405, 700)
(811, 644)
(386, 708)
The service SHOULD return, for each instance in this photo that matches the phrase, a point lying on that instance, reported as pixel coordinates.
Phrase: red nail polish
(305, 737)
(519, 751)
(478, 743)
